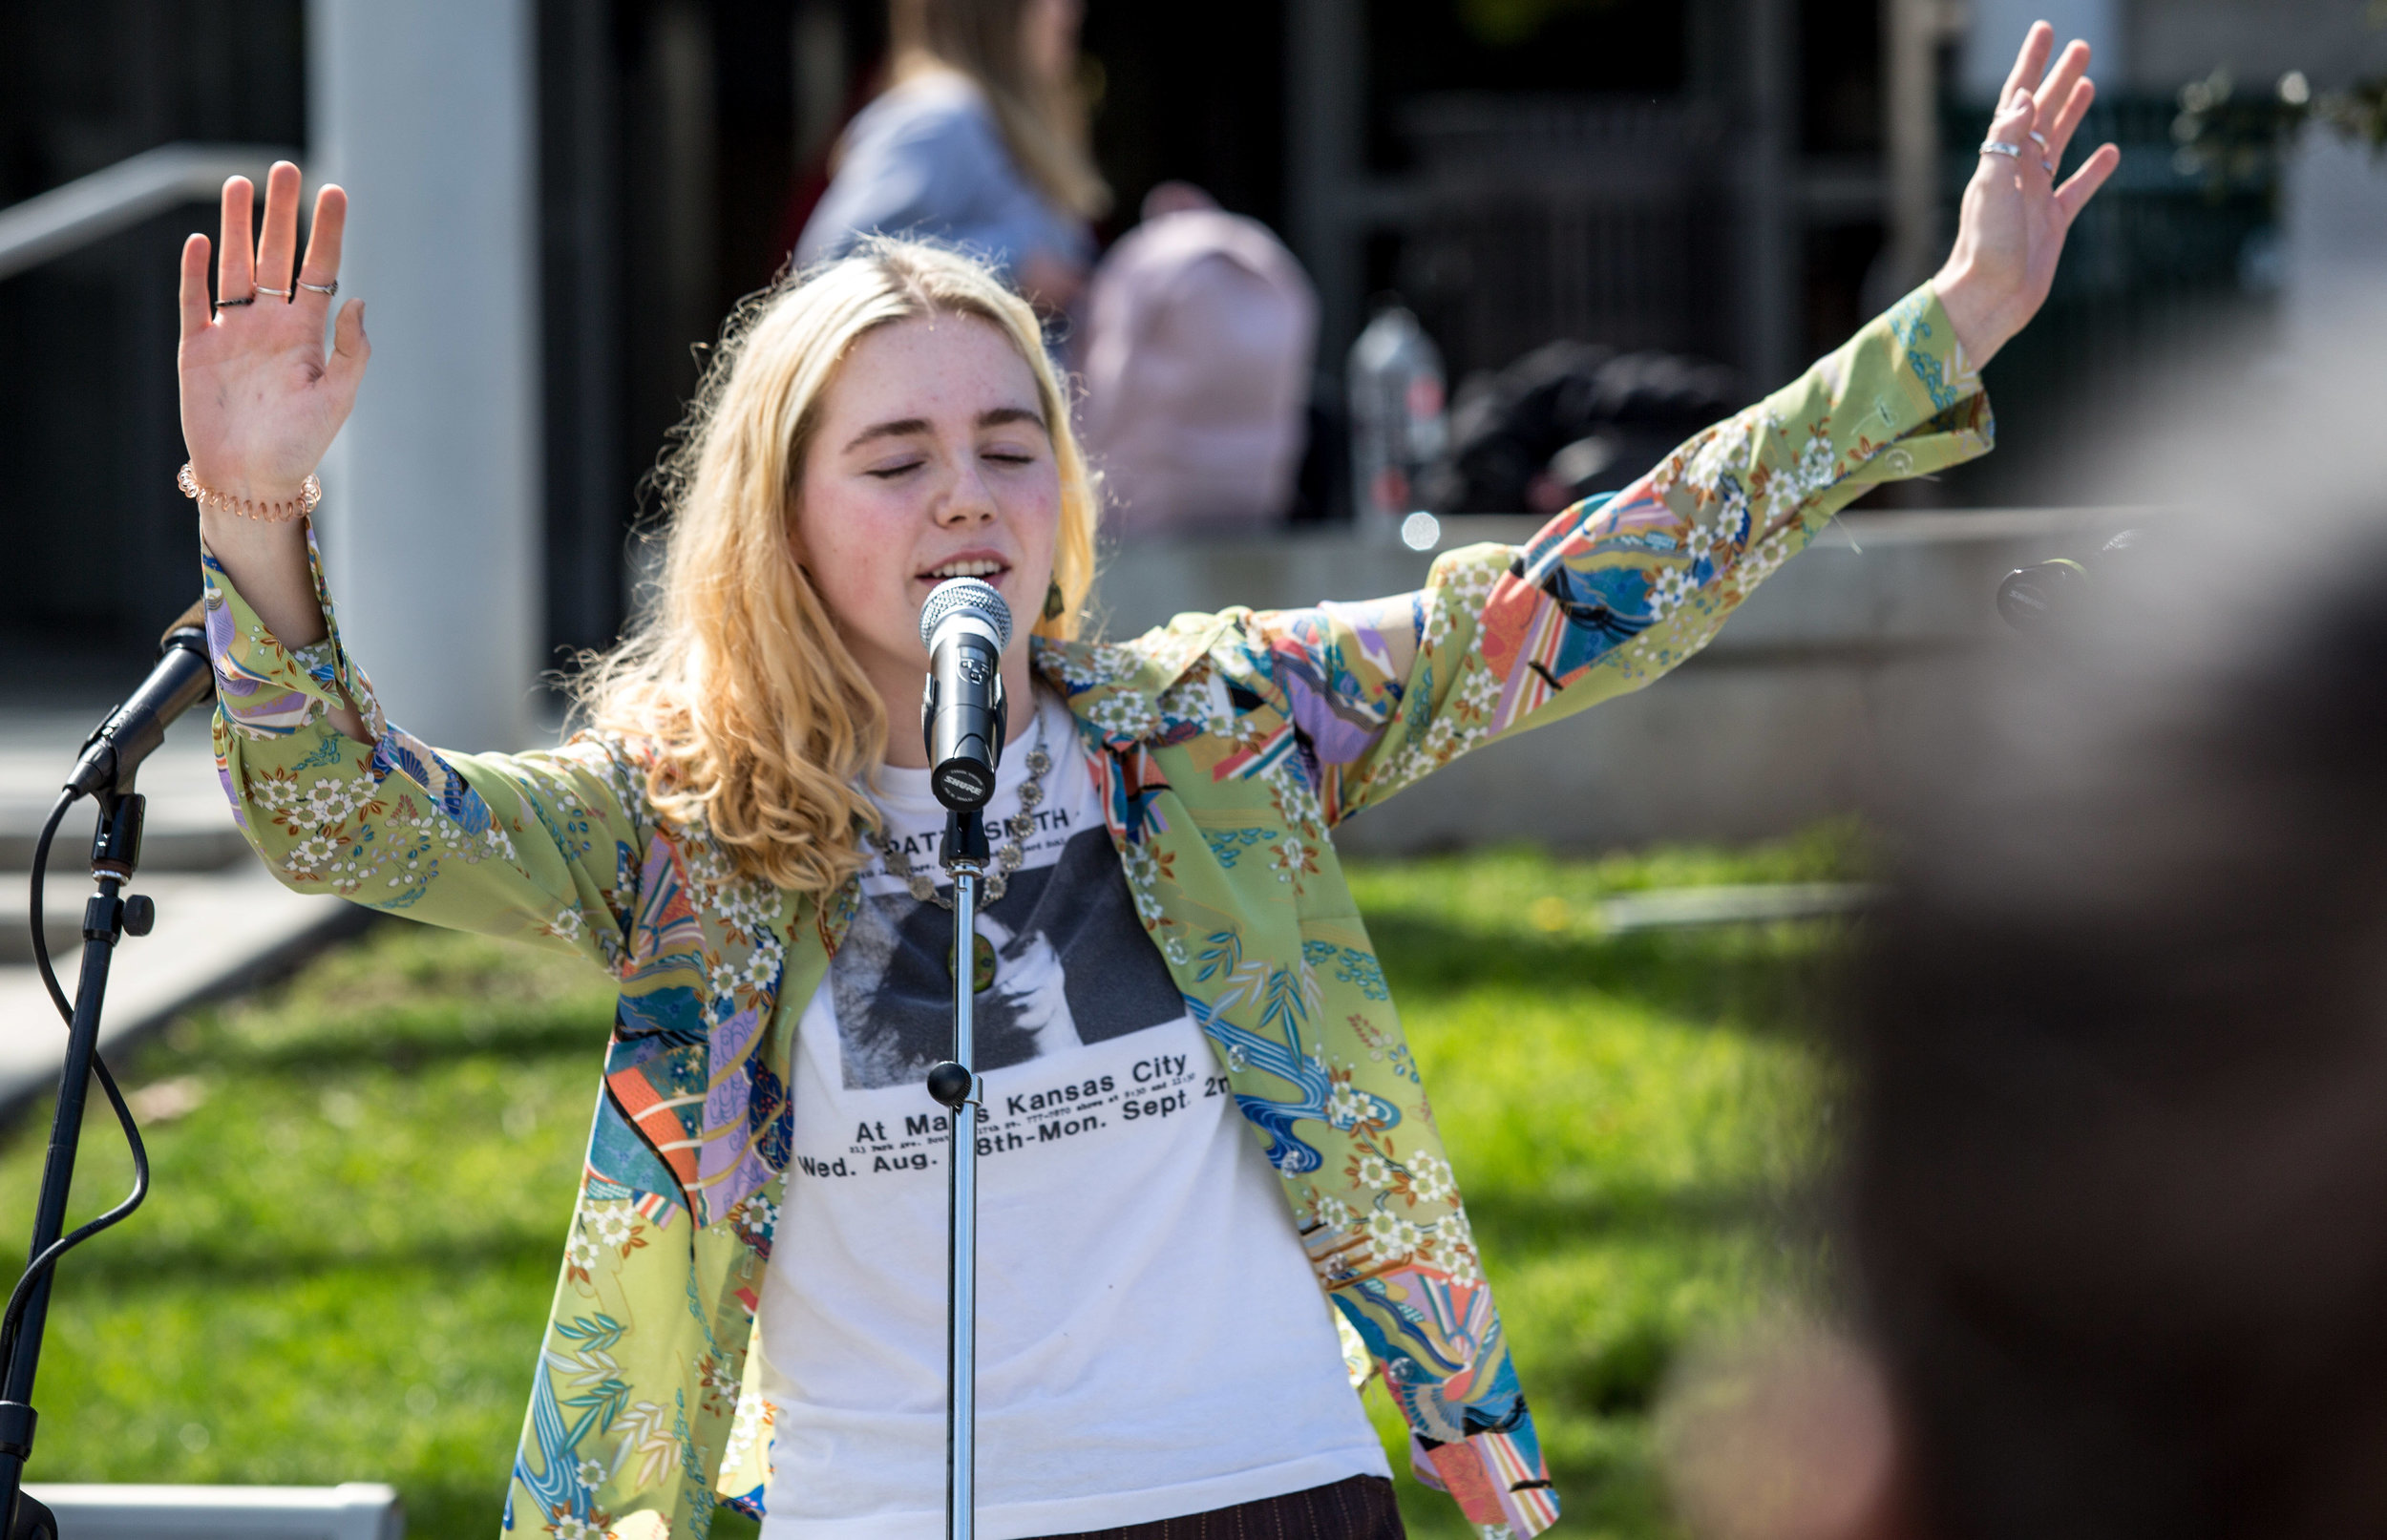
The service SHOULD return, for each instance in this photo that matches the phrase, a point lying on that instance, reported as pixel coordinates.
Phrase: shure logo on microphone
(964, 778)
(974, 669)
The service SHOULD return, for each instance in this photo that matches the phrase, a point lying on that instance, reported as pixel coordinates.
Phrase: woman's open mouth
(967, 567)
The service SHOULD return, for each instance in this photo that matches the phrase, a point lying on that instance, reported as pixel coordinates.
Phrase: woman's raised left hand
(2015, 217)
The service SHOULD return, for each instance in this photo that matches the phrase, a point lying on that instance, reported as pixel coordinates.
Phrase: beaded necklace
(1007, 857)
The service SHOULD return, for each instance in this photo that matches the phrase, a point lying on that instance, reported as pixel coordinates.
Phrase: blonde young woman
(1202, 1111)
(980, 141)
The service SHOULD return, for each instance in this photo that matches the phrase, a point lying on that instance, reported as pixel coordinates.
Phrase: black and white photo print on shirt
(1072, 968)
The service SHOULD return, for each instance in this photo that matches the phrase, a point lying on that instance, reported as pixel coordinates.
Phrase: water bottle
(1397, 426)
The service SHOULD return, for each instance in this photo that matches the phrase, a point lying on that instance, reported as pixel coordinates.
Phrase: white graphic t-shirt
(1150, 1342)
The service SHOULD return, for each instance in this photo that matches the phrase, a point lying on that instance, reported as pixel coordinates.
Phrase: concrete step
(224, 922)
(62, 917)
(352, 1510)
(215, 936)
(165, 846)
(187, 827)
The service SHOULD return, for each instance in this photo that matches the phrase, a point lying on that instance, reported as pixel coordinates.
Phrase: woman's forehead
(931, 367)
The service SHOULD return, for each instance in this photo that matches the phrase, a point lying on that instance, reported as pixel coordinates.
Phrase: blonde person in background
(980, 143)
(1202, 1115)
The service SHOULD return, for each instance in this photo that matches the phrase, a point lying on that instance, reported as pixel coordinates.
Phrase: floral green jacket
(1228, 746)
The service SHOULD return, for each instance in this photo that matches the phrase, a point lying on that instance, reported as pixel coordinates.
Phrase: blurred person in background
(750, 1307)
(1200, 332)
(1568, 421)
(980, 143)
(2117, 1197)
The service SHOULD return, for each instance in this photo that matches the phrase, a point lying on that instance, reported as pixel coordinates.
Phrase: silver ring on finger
(2040, 139)
(2012, 151)
(276, 293)
(332, 287)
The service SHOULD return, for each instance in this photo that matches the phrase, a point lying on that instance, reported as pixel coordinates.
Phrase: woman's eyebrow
(901, 428)
(1001, 415)
(906, 427)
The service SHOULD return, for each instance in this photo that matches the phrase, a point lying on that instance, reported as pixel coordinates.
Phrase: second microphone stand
(953, 1084)
(110, 758)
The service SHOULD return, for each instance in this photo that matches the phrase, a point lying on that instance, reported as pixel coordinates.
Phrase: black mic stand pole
(111, 759)
(955, 1085)
(116, 851)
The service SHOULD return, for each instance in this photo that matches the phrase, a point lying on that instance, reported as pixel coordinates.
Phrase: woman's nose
(969, 503)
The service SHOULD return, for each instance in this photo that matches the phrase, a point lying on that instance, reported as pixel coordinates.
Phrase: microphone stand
(965, 625)
(116, 851)
(105, 772)
(953, 1084)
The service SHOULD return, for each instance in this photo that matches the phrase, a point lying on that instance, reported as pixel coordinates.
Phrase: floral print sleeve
(1611, 593)
(539, 847)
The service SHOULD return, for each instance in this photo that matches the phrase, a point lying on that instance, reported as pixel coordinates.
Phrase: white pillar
(424, 111)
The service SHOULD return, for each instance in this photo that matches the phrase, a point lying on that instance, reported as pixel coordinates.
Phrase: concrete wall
(2336, 250)
(2154, 47)
(2170, 42)
(1775, 726)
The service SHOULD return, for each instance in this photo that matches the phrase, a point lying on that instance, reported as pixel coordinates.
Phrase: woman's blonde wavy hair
(759, 724)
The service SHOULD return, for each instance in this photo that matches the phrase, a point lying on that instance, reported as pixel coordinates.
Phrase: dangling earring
(1054, 602)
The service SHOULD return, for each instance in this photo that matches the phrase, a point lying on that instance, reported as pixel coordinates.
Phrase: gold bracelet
(278, 512)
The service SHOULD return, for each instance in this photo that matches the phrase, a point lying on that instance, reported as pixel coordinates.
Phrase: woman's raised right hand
(260, 400)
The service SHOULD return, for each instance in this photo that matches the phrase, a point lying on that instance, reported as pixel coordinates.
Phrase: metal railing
(53, 224)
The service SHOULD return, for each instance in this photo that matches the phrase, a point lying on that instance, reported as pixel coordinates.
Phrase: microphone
(965, 625)
(2040, 597)
(182, 677)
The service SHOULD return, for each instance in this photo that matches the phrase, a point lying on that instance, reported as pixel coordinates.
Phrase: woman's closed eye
(896, 469)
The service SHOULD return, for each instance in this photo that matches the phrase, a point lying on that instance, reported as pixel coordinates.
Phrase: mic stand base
(33, 1521)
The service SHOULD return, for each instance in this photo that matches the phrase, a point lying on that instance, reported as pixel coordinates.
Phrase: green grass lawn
(358, 1211)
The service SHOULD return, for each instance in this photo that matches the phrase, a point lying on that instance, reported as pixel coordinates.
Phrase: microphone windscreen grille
(961, 594)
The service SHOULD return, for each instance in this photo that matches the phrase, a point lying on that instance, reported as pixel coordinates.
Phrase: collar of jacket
(1121, 692)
